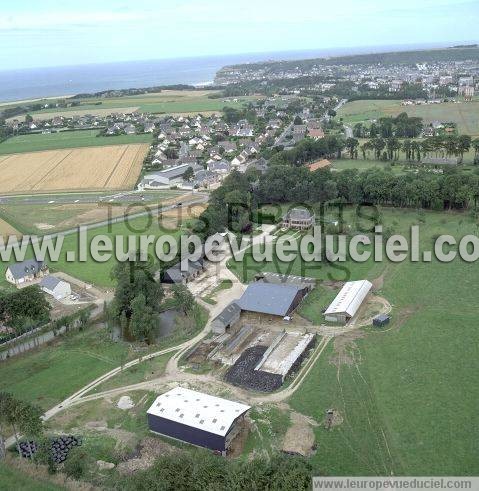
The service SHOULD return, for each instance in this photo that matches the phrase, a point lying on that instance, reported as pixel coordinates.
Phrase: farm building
(272, 299)
(197, 418)
(55, 287)
(183, 271)
(188, 269)
(167, 178)
(298, 218)
(26, 272)
(347, 302)
(228, 318)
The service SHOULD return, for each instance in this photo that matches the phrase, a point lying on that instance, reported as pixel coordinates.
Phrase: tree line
(392, 147)
(201, 470)
(236, 203)
(401, 126)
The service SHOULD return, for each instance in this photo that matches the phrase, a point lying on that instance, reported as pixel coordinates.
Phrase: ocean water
(57, 81)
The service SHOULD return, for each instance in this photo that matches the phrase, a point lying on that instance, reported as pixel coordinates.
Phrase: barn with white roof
(348, 301)
(197, 418)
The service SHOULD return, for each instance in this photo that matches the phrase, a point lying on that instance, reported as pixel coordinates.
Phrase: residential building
(298, 218)
(26, 272)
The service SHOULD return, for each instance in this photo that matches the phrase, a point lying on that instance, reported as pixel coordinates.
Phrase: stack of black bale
(243, 373)
(59, 447)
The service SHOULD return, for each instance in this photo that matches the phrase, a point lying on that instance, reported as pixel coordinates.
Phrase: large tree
(135, 280)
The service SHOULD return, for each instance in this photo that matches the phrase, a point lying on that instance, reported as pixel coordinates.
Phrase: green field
(464, 114)
(52, 373)
(90, 271)
(408, 394)
(169, 102)
(14, 479)
(40, 219)
(48, 375)
(66, 139)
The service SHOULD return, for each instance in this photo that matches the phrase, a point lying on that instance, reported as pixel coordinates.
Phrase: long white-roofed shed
(197, 418)
(347, 302)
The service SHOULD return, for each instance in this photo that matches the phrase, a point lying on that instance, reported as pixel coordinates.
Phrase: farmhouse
(316, 133)
(298, 218)
(348, 301)
(55, 287)
(183, 271)
(26, 272)
(197, 418)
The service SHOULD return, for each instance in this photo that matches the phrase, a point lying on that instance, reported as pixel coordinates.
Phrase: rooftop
(268, 298)
(350, 298)
(198, 410)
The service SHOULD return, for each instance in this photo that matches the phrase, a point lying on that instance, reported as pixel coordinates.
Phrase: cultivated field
(66, 139)
(54, 216)
(464, 114)
(7, 230)
(111, 167)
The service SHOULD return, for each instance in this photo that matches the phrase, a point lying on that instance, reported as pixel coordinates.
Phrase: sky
(37, 33)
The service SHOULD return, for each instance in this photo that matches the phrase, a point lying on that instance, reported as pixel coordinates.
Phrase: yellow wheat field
(73, 169)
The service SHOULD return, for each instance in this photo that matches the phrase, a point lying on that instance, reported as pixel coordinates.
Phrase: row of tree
(413, 150)
(202, 470)
(401, 126)
(235, 204)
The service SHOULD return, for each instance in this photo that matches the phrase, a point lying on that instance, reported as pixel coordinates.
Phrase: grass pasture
(98, 272)
(23, 217)
(36, 142)
(406, 394)
(464, 114)
(94, 168)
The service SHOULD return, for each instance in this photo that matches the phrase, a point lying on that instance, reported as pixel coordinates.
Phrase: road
(280, 140)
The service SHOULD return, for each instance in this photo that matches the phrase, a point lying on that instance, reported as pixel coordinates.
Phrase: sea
(35, 83)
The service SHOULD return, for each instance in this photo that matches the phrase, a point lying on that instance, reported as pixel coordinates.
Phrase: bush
(76, 464)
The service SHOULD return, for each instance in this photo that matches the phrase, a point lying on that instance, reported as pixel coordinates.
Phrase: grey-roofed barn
(273, 299)
(229, 316)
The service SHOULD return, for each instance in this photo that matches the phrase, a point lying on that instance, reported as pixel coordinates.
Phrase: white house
(55, 287)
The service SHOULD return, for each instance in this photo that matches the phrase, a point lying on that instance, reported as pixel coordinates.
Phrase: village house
(26, 272)
(55, 287)
(298, 218)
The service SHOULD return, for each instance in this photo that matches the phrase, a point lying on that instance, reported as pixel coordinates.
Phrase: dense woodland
(235, 204)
